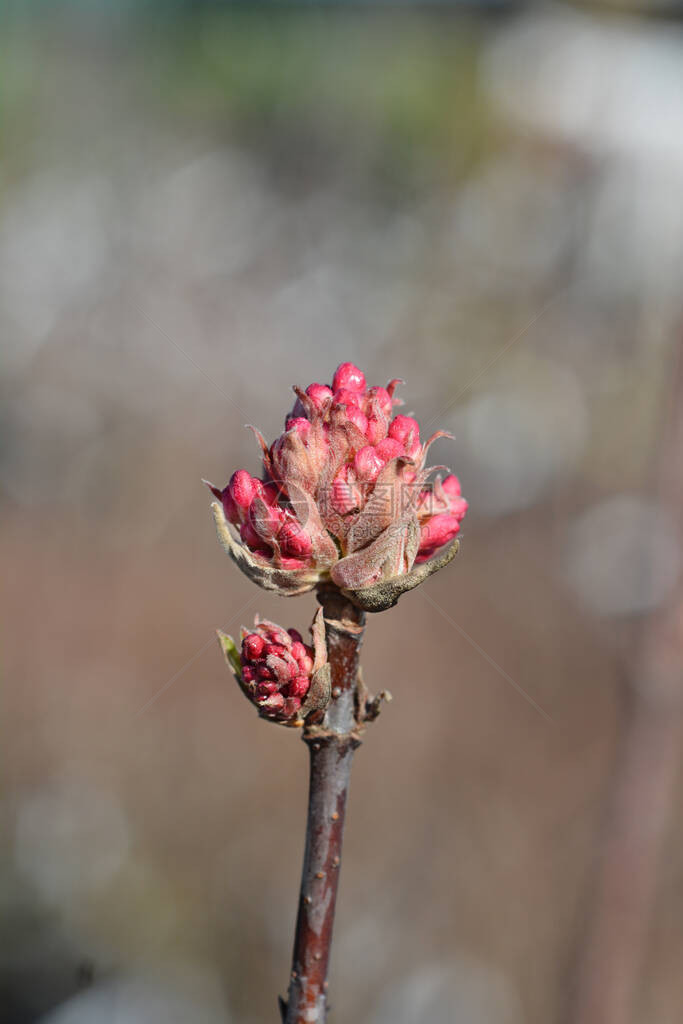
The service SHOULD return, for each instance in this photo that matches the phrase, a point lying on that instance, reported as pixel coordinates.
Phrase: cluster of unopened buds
(345, 504)
(345, 496)
(282, 676)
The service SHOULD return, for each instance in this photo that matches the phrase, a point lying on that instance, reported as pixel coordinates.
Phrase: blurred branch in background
(613, 949)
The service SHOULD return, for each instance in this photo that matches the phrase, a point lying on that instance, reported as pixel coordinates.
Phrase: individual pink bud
(301, 425)
(345, 494)
(424, 554)
(458, 507)
(242, 488)
(253, 541)
(292, 563)
(294, 540)
(274, 703)
(319, 394)
(296, 637)
(303, 655)
(406, 430)
(389, 449)
(264, 671)
(230, 508)
(438, 530)
(382, 398)
(265, 689)
(451, 486)
(298, 687)
(358, 418)
(278, 650)
(377, 429)
(367, 463)
(248, 673)
(252, 646)
(298, 647)
(249, 535)
(269, 491)
(348, 398)
(437, 501)
(348, 376)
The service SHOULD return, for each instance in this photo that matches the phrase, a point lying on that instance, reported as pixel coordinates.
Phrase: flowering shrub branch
(346, 505)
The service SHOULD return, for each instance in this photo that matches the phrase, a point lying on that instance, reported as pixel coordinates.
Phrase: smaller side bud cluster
(276, 669)
(283, 677)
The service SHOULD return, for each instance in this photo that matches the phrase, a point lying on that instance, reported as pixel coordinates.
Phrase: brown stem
(331, 744)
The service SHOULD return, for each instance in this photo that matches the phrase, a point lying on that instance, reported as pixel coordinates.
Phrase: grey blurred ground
(197, 212)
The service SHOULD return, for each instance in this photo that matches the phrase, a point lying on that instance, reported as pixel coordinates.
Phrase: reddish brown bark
(331, 745)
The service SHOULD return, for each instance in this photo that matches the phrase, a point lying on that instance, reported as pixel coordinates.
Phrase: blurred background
(200, 206)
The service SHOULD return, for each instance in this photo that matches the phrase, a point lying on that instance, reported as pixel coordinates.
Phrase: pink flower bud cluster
(276, 669)
(344, 472)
